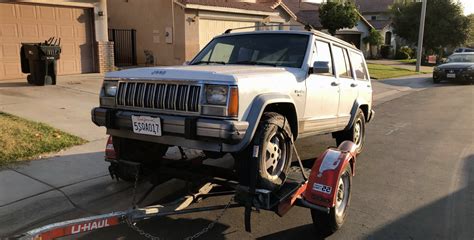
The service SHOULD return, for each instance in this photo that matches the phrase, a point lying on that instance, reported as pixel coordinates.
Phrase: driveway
(75, 182)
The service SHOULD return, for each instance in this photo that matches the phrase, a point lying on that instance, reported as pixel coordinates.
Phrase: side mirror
(321, 67)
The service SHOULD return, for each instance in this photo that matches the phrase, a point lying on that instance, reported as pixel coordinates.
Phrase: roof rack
(306, 27)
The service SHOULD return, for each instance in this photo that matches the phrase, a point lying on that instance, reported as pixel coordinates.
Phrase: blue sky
(468, 6)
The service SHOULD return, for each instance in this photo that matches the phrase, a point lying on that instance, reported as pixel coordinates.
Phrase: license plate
(451, 75)
(146, 125)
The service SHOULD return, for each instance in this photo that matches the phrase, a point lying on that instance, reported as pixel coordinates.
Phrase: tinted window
(461, 58)
(286, 50)
(342, 68)
(323, 54)
(358, 64)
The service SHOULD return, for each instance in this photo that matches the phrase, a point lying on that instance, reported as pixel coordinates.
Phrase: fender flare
(323, 180)
(254, 115)
(357, 104)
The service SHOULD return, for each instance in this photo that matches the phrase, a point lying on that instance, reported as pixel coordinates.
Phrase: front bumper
(463, 76)
(191, 132)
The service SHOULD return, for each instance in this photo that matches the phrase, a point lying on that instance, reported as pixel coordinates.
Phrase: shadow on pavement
(15, 84)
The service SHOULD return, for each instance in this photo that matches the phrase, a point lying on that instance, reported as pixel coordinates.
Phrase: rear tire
(328, 223)
(355, 134)
(147, 153)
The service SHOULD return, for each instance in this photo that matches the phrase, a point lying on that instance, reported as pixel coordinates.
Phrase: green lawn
(379, 71)
(21, 139)
(409, 61)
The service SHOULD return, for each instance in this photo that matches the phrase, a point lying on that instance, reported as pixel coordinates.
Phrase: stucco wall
(151, 19)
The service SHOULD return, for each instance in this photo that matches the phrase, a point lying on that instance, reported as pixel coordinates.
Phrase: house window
(388, 38)
(373, 18)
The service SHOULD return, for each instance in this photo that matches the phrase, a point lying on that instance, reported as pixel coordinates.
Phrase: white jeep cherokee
(243, 89)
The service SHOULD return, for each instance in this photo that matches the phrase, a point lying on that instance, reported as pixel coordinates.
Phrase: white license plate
(451, 75)
(146, 125)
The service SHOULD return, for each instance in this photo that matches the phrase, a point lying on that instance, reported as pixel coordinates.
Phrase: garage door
(36, 23)
(209, 28)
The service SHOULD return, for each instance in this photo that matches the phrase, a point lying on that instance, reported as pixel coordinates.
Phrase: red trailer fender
(323, 180)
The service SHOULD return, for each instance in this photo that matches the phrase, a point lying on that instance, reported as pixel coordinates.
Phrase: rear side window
(323, 54)
(358, 64)
(341, 62)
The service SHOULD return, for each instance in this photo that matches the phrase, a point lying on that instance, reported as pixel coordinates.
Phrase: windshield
(287, 50)
(461, 58)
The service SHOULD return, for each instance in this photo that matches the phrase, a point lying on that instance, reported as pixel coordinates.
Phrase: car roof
(463, 53)
(302, 32)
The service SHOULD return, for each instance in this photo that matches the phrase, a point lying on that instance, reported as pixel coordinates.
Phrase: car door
(362, 77)
(322, 98)
(348, 86)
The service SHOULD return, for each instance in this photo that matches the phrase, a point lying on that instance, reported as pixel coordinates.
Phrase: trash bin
(39, 59)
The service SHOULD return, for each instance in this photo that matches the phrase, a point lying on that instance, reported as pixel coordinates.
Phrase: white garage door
(36, 23)
(209, 28)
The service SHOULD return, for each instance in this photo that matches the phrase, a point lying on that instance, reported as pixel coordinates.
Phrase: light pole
(420, 35)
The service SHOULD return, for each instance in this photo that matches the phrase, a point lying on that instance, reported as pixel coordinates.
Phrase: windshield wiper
(209, 62)
(254, 63)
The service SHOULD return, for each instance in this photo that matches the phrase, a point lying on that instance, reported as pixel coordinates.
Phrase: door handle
(334, 84)
(354, 85)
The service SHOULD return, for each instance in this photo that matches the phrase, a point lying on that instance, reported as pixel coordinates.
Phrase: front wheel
(355, 134)
(436, 80)
(274, 139)
(328, 223)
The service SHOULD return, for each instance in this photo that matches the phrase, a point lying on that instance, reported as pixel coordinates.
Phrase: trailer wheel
(147, 153)
(328, 223)
(355, 134)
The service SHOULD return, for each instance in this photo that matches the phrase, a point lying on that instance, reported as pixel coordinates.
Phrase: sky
(468, 6)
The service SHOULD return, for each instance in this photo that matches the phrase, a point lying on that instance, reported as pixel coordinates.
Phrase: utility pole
(420, 35)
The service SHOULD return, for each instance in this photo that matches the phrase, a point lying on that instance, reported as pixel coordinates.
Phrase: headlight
(436, 69)
(216, 94)
(471, 68)
(109, 88)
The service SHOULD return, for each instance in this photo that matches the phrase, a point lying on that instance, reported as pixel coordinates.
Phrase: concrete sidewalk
(75, 182)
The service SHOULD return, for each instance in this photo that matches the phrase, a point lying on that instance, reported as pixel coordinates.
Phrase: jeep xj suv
(263, 88)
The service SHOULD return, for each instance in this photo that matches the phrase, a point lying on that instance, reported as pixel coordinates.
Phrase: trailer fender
(323, 180)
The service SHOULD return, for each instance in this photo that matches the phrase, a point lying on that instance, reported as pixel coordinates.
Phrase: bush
(385, 51)
(404, 53)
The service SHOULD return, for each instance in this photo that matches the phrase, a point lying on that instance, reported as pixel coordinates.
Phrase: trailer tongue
(326, 193)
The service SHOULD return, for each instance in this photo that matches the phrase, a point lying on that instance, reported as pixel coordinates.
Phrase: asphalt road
(414, 180)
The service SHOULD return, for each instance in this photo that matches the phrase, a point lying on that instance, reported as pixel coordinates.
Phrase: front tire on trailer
(328, 223)
(355, 134)
(274, 139)
(146, 153)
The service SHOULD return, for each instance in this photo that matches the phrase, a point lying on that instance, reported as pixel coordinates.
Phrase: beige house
(173, 31)
(81, 25)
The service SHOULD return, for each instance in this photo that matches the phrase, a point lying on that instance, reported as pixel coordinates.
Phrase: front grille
(165, 96)
(453, 70)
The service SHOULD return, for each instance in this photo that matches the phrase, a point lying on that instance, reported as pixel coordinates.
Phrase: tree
(336, 15)
(470, 40)
(445, 24)
(373, 39)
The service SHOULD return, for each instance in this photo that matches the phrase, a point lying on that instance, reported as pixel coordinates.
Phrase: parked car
(457, 67)
(261, 88)
(463, 49)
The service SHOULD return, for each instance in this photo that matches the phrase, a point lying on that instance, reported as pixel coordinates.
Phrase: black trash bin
(39, 59)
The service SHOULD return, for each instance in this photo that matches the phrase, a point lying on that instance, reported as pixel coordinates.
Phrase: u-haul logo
(85, 227)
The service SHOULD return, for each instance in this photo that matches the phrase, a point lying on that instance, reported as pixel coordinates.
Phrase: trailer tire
(147, 153)
(328, 223)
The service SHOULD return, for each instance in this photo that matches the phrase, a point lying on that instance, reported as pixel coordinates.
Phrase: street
(414, 180)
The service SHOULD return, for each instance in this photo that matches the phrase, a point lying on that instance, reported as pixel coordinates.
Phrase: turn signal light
(233, 106)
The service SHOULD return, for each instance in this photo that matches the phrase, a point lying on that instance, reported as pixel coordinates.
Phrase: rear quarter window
(358, 64)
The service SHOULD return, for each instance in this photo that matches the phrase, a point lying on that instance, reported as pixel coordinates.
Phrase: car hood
(455, 65)
(214, 73)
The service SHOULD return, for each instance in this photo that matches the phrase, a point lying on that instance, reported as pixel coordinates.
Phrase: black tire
(274, 162)
(355, 134)
(147, 153)
(328, 223)
(436, 80)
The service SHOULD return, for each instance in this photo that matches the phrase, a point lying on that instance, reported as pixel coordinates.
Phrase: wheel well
(365, 110)
(287, 110)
